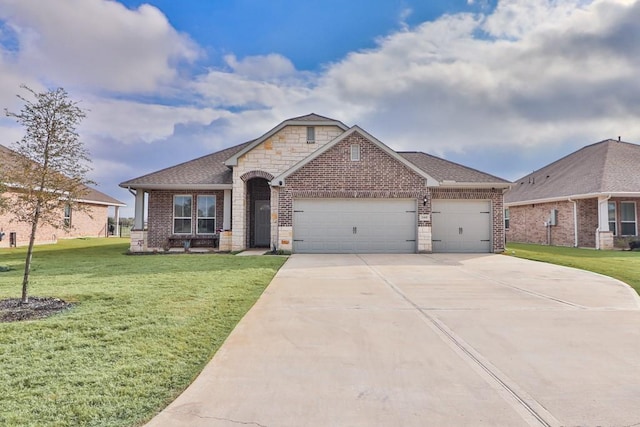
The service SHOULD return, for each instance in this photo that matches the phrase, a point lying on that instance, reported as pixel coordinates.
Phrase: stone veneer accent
(497, 207)
(272, 157)
(334, 175)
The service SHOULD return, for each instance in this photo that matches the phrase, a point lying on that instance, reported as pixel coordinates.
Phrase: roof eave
(478, 185)
(574, 197)
(176, 186)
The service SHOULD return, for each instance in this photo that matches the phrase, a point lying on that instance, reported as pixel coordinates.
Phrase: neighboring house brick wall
(496, 198)
(89, 223)
(160, 213)
(275, 155)
(587, 210)
(526, 224)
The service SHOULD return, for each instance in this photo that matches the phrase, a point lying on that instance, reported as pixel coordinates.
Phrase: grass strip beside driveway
(142, 329)
(621, 265)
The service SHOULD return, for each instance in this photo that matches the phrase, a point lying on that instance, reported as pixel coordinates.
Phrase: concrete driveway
(425, 340)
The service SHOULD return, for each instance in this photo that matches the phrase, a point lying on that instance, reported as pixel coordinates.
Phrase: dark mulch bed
(11, 310)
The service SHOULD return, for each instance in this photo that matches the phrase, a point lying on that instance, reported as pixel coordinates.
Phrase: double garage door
(388, 226)
(354, 225)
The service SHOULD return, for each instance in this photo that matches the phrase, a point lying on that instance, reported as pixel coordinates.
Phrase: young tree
(48, 174)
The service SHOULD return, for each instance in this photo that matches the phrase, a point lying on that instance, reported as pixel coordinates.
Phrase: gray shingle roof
(445, 170)
(313, 117)
(92, 195)
(203, 171)
(607, 166)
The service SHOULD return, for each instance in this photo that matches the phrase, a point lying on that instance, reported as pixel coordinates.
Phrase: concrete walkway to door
(425, 340)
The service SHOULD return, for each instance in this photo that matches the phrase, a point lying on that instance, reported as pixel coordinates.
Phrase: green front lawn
(142, 329)
(622, 265)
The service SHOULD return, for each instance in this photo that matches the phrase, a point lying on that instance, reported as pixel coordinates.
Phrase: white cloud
(264, 67)
(96, 44)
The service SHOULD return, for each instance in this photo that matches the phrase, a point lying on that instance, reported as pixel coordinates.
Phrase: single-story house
(313, 184)
(90, 221)
(587, 199)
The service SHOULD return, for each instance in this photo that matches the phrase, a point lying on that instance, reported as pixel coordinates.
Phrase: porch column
(117, 218)
(603, 213)
(604, 236)
(226, 220)
(138, 220)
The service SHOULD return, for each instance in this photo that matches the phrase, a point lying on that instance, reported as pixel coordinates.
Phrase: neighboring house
(91, 221)
(588, 199)
(313, 184)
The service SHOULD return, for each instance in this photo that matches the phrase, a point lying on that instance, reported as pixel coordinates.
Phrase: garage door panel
(461, 226)
(354, 225)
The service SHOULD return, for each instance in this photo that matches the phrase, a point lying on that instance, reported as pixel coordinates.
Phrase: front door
(262, 223)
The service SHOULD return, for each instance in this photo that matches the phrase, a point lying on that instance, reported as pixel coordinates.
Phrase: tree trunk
(27, 263)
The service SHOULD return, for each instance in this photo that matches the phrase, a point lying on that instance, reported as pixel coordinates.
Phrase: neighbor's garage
(461, 225)
(354, 226)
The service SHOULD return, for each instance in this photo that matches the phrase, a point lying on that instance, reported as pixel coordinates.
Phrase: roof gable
(306, 120)
(606, 167)
(282, 177)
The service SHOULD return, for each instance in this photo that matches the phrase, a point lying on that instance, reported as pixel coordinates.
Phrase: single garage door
(461, 225)
(354, 225)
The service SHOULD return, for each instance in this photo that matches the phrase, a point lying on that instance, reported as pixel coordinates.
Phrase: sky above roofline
(504, 87)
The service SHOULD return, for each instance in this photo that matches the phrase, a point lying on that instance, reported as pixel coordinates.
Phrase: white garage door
(461, 225)
(354, 225)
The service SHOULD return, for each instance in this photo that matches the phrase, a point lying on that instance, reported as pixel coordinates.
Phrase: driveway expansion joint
(529, 409)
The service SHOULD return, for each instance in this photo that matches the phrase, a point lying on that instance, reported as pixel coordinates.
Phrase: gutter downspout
(575, 222)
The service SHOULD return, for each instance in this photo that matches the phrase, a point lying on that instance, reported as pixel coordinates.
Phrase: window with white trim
(506, 219)
(206, 214)
(182, 214)
(67, 215)
(612, 217)
(311, 135)
(355, 153)
(628, 225)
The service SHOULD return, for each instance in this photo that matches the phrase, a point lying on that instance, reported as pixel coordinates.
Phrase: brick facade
(527, 224)
(92, 222)
(334, 175)
(160, 211)
(497, 206)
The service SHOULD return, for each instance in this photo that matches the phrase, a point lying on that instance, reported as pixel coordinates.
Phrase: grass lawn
(142, 329)
(622, 265)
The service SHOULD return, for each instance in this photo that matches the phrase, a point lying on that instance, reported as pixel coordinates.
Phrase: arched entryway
(258, 213)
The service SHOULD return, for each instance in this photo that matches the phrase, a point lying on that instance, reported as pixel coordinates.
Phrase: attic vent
(311, 135)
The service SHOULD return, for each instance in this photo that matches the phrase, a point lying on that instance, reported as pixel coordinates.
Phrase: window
(612, 217)
(355, 153)
(206, 214)
(67, 215)
(506, 218)
(182, 214)
(628, 219)
(311, 135)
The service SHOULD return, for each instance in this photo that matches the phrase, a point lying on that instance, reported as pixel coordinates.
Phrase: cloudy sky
(501, 86)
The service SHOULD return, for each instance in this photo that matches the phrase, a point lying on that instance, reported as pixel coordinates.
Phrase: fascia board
(178, 186)
(481, 185)
(572, 197)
